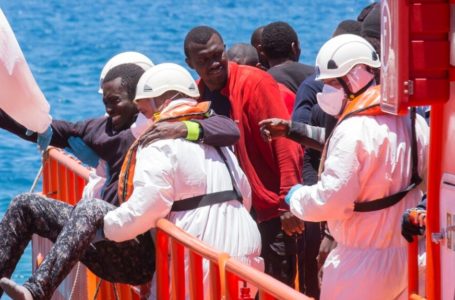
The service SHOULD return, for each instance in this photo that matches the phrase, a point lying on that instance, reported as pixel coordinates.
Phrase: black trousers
(283, 254)
(72, 229)
(280, 251)
(308, 264)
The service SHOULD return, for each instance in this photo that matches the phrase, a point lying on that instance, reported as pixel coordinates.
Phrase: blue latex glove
(99, 236)
(29, 132)
(83, 152)
(44, 139)
(287, 199)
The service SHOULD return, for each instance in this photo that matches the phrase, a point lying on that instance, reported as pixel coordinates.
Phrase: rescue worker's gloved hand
(288, 197)
(83, 152)
(409, 227)
(44, 139)
(99, 235)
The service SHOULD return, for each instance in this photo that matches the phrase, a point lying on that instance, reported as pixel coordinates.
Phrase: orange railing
(413, 265)
(64, 179)
(413, 269)
(225, 273)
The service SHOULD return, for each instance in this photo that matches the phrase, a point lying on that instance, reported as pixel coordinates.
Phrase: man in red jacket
(249, 95)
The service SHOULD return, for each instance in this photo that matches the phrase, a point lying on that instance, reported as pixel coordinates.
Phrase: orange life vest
(180, 113)
(366, 104)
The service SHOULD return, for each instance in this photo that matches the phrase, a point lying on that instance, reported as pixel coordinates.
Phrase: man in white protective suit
(373, 168)
(198, 187)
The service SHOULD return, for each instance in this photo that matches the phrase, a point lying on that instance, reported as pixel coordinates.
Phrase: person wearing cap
(200, 188)
(371, 170)
(309, 126)
(110, 137)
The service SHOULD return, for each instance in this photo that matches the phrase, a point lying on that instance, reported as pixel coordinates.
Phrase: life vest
(176, 111)
(368, 104)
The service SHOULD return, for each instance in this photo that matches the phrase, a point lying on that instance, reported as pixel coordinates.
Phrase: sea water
(66, 44)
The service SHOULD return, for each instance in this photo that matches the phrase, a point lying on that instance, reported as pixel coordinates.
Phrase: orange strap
(125, 182)
(366, 104)
(180, 113)
(297, 275)
(184, 112)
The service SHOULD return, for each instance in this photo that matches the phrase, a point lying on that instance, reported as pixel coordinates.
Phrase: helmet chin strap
(349, 93)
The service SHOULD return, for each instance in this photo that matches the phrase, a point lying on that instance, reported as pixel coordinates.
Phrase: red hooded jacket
(272, 168)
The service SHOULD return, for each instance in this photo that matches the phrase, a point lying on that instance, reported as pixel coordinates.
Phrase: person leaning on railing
(72, 228)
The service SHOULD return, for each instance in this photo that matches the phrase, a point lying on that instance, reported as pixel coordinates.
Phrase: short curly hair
(199, 35)
(277, 38)
(129, 73)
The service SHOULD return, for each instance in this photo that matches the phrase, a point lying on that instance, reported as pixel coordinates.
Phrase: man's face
(119, 108)
(210, 62)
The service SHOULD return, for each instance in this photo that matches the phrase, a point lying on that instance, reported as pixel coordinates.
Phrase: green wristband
(193, 130)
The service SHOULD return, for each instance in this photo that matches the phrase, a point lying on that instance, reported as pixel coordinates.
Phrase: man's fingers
(288, 232)
(266, 122)
(297, 227)
(148, 138)
(302, 226)
(422, 220)
(265, 133)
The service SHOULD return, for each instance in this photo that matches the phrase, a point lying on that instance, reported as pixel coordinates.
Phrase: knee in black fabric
(21, 200)
(90, 206)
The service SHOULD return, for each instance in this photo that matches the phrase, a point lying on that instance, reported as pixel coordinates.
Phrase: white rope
(35, 182)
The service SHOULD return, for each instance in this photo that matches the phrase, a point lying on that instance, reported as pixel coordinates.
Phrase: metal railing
(64, 179)
(225, 273)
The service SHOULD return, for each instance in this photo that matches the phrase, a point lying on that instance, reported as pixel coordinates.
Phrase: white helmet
(341, 53)
(129, 57)
(163, 78)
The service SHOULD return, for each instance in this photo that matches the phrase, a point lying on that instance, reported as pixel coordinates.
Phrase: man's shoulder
(93, 121)
(252, 73)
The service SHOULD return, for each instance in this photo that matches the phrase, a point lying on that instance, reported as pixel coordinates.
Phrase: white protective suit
(171, 170)
(368, 157)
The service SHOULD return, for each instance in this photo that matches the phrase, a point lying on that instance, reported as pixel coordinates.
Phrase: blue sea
(66, 44)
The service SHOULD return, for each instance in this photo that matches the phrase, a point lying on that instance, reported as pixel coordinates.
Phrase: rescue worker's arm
(215, 130)
(333, 196)
(152, 197)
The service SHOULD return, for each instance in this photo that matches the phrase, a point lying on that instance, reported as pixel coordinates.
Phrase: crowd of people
(290, 168)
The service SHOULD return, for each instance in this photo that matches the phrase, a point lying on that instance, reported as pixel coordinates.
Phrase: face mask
(331, 100)
(358, 77)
